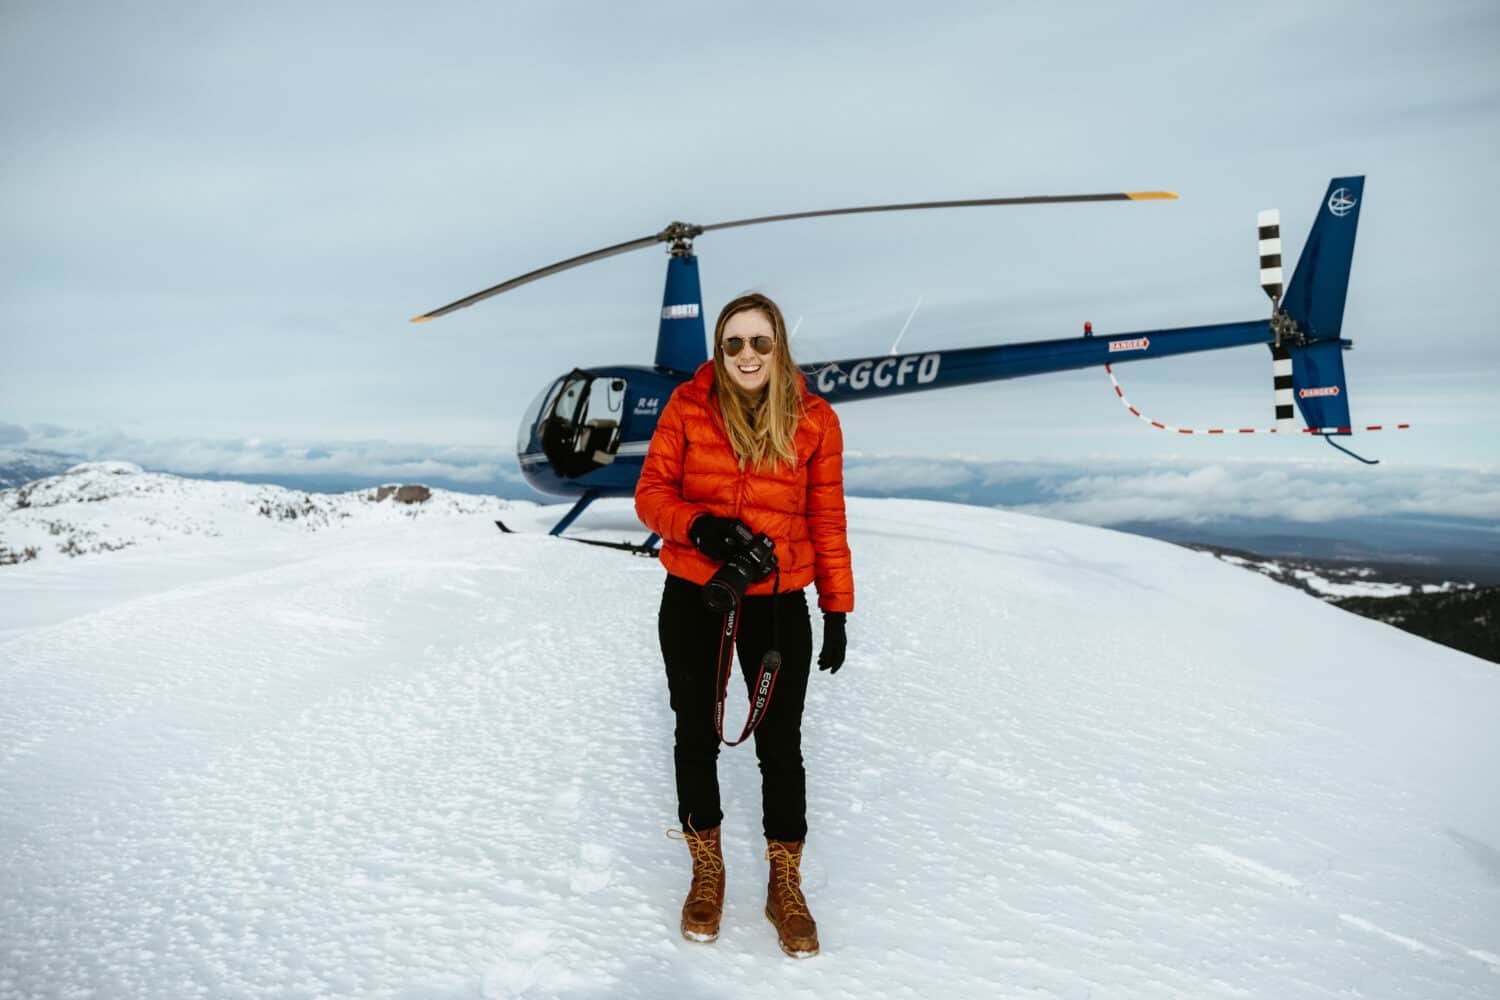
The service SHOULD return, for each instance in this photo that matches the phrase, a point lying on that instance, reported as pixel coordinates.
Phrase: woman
(740, 450)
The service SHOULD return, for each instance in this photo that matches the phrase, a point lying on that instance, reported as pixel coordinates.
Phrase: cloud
(374, 460)
(914, 473)
(1301, 494)
(1102, 491)
(1106, 492)
(12, 434)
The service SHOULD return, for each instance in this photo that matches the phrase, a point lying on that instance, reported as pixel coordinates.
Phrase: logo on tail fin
(1341, 202)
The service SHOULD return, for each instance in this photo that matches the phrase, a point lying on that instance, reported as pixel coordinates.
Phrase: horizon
(1415, 518)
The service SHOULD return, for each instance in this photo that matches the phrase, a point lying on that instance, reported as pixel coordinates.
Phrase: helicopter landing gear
(589, 496)
(646, 548)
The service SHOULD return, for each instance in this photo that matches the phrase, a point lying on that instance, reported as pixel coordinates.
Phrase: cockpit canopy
(576, 422)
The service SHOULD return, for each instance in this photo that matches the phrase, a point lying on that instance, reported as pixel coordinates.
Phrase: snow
(1446, 586)
(108, 506)
(404, 755)
(1323, 585)
(1352, 581)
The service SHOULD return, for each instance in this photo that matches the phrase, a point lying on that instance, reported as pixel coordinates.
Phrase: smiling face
(748, 369)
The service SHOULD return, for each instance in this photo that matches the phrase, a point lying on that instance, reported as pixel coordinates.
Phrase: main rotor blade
(540, 272)
(1044, 199)
(680, 230)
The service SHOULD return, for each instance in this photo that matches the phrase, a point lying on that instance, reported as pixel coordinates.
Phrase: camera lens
(727, 587)
(719, 596)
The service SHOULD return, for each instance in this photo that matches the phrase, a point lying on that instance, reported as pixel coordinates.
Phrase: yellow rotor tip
(1150, 195)
(420, 319)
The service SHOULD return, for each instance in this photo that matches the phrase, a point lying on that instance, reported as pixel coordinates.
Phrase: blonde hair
(761, 428)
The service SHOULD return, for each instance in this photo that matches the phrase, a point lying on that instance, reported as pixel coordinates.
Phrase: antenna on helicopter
(679, 236)
(907, 325)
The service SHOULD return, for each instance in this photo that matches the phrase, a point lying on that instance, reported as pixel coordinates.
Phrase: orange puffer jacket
(691, 469)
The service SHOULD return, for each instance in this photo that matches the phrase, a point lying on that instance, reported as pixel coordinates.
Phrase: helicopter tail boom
(1303, 334)
(889, 375)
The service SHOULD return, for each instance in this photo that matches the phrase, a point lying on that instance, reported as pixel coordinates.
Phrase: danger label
(1322, 390)
(1139, 344)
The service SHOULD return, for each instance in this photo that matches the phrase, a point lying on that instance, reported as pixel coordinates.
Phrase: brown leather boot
(786, 907)
(704, 906)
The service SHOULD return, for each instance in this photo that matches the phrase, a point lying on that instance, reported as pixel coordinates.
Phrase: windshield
(542, 401)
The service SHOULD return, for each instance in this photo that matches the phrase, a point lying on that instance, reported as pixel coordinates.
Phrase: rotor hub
(1285, 328)
(679, 238)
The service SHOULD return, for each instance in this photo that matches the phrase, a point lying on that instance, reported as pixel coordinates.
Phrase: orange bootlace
(784, 864)
(708, 869)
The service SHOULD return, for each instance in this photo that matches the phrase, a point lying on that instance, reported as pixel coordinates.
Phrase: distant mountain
(1423, 546)
(508, 486)
(21, 466)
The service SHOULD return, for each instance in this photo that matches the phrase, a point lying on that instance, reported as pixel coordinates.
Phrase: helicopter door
(580, 431)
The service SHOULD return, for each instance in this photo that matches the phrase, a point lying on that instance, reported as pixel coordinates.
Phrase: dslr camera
(755, 561)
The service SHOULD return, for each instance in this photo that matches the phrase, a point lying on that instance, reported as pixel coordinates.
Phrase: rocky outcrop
(414, 493)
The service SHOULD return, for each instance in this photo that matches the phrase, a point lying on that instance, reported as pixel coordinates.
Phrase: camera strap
(765, 681)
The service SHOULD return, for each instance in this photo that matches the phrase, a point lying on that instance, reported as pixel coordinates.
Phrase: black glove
(835, 642)
(719, 538)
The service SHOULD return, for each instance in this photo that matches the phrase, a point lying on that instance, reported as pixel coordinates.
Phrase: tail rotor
(1268, 223)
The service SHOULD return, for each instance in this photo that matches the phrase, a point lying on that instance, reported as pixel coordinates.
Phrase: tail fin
(1314, 302)
(1315, 298)
(1318, 384)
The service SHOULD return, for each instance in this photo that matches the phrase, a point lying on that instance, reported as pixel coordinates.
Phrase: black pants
(690, 635)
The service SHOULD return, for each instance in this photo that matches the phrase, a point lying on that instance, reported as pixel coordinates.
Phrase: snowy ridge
(67, 514)
(1331, 580)
(427, 760)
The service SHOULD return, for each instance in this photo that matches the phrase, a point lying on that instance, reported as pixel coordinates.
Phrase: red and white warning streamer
(1239, 430)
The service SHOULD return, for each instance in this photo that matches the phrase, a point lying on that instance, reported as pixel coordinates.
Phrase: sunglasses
(734, 345)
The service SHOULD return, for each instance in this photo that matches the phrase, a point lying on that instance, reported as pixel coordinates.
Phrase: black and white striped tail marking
(1281, 374)
(1269, 223)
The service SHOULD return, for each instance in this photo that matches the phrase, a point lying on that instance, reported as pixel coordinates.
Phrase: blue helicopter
(586, 433)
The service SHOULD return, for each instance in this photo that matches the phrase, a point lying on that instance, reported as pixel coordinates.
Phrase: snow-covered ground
(403, 755)
(1362, 589)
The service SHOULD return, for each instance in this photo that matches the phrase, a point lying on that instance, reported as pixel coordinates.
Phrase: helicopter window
(574, 392)
(580, 427)
(542, 403)
(599, 438)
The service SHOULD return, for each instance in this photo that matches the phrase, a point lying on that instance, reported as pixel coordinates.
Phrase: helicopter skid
(645, 548)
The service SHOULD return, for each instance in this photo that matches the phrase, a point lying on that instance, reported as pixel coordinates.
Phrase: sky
(219, 219)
